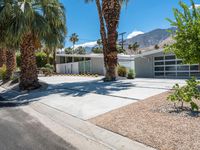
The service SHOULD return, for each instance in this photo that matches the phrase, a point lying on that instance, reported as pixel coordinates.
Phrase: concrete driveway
(86, 98)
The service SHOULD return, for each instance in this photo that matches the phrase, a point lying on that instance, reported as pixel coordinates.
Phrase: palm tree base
(106, 79)
(29, 85)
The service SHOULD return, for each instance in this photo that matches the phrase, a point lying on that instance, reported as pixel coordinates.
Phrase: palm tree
(109, 14)
(10, 63)
(29, 25)
(74, 38)
(134, 47)
(2, 57)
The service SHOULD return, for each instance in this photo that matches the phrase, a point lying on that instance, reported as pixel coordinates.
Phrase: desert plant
(47, 70)
(131, 74)
(186, 94)
(122, 71)
(3, 72)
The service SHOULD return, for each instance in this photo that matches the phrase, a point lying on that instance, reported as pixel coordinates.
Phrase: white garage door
(169, 66)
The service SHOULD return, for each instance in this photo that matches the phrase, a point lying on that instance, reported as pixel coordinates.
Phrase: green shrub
(49, 66)
(41, 59)
(122, 71)
(3, 72)
(186, 94)
(47, 70)
(131, 74)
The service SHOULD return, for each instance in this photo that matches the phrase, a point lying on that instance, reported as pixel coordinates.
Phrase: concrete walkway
(82, 134)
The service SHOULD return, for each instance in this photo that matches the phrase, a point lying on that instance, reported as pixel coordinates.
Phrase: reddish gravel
(151, 122)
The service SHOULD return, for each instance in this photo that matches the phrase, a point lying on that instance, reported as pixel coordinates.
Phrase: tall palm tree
(29, 25)
(109, 15)
(74, 38)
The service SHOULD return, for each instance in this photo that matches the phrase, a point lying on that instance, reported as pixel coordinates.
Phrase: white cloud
(134, 33)
(88, 44)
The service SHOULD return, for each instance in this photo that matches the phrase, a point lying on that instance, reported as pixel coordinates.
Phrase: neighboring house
(88, 63)
(149, 64)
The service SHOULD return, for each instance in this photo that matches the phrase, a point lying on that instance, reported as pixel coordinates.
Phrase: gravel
(156, 123)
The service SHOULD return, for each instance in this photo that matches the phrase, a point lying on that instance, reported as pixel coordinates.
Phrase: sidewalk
(82, 134)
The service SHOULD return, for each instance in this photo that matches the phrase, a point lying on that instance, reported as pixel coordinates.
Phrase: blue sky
(139, 15)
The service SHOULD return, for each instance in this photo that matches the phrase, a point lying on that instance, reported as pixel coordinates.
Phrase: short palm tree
(74, 38)
(29, 25)
(109, 15)
(134, 47)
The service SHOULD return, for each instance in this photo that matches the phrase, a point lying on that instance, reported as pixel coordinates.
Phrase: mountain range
(147, 41)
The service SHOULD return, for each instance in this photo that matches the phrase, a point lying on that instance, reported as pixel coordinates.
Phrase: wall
(69, 68)
(97, 66)
(144, 66)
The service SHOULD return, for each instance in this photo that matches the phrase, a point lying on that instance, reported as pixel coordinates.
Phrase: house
(88, 63)
(149, 64)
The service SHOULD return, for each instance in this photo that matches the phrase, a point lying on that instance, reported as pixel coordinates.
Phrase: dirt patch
(156, 123)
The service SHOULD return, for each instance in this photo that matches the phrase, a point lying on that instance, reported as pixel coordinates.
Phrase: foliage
(131, 74)
(97, 50)
(186, 94)
(68, 50)
(47, 70)
(74, 38)
(156, 46)
(80, 50)
(134, 47)
(122, 71)
(187, 36)
(120, 50)
(41, 59)
(3, 72)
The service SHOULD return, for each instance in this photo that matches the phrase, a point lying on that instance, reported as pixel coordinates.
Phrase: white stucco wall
(97, 66)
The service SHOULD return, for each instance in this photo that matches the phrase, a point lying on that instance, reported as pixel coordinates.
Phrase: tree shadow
(76, 89)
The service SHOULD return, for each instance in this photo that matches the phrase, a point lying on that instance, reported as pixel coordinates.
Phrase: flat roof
(120, 56)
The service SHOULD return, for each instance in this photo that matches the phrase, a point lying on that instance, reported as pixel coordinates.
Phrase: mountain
(150, 39)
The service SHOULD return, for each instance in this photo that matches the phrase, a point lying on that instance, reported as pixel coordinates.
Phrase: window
(170, 68)
(170, 73)
(159, 63)
(170, 57)
(194, 67)
(159, 58)
(159, 68)
(170, 62)
(182, 68)
(159, 74)
(183, 74)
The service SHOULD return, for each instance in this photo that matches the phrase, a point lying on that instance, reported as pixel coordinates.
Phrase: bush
(47, 70)
(41, 59)
(3, 72)
(131, 74)
(186, 94)
(122, 71)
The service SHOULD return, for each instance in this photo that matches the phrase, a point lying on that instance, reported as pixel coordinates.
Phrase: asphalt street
(19, 131)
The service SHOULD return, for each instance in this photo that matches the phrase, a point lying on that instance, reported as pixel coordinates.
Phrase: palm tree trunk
(111, 12)
(104, 39)
(29, 76)
(48, 58)
(2, 57)
(10, 63)
(54, 60)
